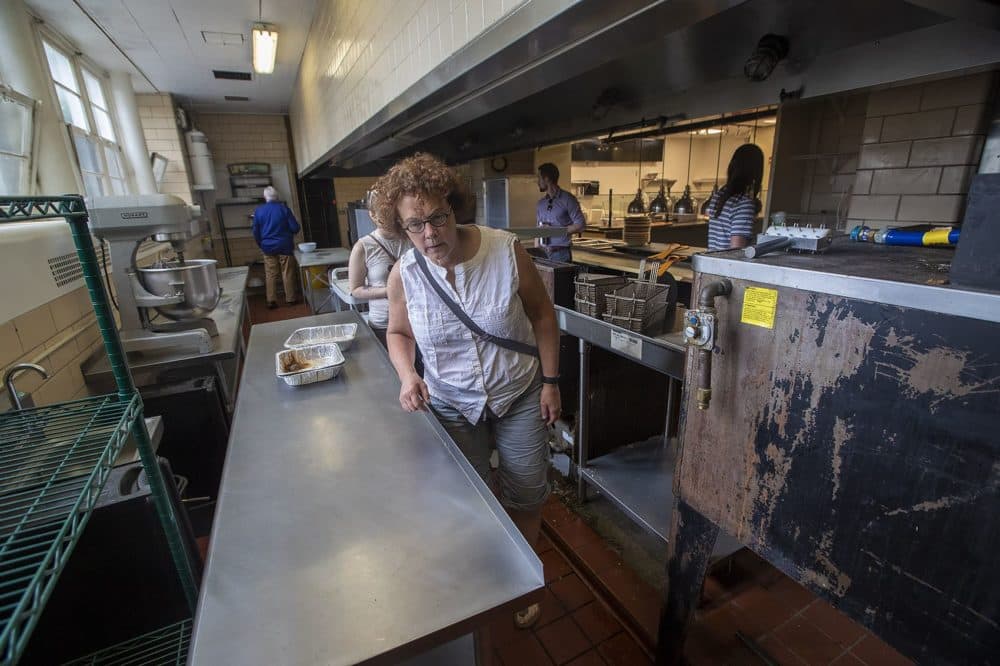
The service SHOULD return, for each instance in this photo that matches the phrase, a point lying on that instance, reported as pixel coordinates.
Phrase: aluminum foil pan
(342, 334)
(308, 365)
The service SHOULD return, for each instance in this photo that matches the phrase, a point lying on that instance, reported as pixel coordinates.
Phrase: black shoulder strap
(512, 345)
(384, 248)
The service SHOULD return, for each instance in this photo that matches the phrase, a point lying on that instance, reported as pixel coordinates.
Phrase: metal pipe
(706, 297)
(582, 431)
(706, 302)
(8, 380)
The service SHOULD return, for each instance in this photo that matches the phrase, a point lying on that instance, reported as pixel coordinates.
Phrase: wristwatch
(550, 380)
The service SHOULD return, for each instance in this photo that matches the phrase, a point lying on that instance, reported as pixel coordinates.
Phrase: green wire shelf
(54, 462)
(168, 645)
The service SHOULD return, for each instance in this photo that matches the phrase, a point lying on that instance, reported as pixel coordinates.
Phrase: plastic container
(341, 334)
(307, 247)
(308, 365)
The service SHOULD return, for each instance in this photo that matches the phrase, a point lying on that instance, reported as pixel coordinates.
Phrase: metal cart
(54, 460)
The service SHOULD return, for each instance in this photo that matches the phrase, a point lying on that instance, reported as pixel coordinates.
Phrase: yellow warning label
(759, 306)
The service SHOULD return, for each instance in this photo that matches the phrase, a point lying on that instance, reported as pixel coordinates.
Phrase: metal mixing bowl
(201, 287)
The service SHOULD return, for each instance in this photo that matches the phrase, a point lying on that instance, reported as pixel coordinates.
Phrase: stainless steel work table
(326, 257)
(347, 529)
(637, 478)
(227, 348)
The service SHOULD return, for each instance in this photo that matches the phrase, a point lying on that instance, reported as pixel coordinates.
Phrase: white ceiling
(163, 40)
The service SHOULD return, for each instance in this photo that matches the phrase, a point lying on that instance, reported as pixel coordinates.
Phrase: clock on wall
(499, 164)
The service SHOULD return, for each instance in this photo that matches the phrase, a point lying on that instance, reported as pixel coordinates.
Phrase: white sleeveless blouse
(466, 373)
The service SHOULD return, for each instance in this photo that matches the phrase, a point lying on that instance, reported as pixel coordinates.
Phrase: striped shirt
(735, 219)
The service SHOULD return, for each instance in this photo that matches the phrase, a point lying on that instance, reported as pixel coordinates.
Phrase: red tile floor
(597, 611)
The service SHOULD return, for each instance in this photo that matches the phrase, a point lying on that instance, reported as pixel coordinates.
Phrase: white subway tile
(906, 181)
(884, 155)
(931, 208)
(872, 207)
(475, 17)
(905, 99)
(922, 125)
(957, 91)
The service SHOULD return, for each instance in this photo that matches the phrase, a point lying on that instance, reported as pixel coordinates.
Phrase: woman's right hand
(413, 395)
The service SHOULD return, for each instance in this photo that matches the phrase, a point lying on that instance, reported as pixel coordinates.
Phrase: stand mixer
(184, 292)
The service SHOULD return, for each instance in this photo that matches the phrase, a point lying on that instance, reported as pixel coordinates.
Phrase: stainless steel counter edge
(666, 356)
(944, 300)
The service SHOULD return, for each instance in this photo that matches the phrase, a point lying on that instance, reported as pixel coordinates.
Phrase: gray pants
(521, 439)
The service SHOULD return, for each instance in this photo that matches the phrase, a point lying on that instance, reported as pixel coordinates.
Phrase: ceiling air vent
(237, 98)
(232, 76)
(222, 38)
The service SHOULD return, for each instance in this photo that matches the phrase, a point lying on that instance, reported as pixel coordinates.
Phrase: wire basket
(592, 290)
(641, 307)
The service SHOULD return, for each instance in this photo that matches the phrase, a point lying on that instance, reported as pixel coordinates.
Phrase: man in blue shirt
(558, 208)
(274, 229)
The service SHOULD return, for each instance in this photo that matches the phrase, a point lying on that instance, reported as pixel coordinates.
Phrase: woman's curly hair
(422, 174)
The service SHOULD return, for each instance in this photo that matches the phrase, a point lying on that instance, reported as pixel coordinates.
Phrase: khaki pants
(284, 265)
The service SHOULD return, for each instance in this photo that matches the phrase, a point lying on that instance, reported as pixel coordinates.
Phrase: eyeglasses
(436, 220)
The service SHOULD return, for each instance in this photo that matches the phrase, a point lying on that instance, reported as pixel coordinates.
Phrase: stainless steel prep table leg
(582, 414)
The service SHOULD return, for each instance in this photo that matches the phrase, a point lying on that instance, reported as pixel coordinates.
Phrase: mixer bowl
(201, 287)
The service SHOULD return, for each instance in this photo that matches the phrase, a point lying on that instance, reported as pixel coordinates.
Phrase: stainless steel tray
(308, 365)
(342, 334)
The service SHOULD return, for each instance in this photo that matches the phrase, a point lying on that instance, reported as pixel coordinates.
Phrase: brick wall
(236, 138)
(816, 158)
(159, 126)
(59, 336)
(921, 145)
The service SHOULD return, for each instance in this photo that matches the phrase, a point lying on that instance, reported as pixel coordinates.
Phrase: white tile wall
(362, 54)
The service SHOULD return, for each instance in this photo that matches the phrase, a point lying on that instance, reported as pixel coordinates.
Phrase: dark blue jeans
(559, 253)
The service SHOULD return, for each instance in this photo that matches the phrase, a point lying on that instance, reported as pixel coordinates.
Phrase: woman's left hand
(551, 403)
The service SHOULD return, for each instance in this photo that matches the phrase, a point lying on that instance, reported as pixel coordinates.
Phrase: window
(87, 113)
(16, 132)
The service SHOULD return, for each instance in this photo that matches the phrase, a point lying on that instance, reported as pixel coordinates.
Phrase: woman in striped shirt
(733, 208)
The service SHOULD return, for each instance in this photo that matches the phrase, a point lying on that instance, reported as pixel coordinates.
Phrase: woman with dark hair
(732, 210)
(471, 299)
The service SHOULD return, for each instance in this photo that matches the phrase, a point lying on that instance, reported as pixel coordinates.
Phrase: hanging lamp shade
(659, 205)
(685, 205)
(636, 206)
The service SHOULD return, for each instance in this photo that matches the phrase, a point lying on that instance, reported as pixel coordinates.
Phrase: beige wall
(234, 138)
(159, 126)
(921, 145)
(347, 190)
(59, 336)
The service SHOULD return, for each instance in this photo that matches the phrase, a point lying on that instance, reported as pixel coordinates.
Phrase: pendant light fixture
(660, 205)
(265, 43)
(715, 188)
(637, 207)
(684, 205)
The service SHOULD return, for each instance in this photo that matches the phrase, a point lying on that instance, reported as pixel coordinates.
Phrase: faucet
(8, 380)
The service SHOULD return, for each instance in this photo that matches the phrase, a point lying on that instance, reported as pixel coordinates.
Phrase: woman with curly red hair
(471, 299)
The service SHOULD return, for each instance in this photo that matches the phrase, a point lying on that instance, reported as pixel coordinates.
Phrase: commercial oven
(841, 421)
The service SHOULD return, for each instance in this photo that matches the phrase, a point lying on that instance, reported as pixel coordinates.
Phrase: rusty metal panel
(857, 446)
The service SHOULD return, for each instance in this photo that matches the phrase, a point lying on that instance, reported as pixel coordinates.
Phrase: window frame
(26, 183)
(81, 66)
